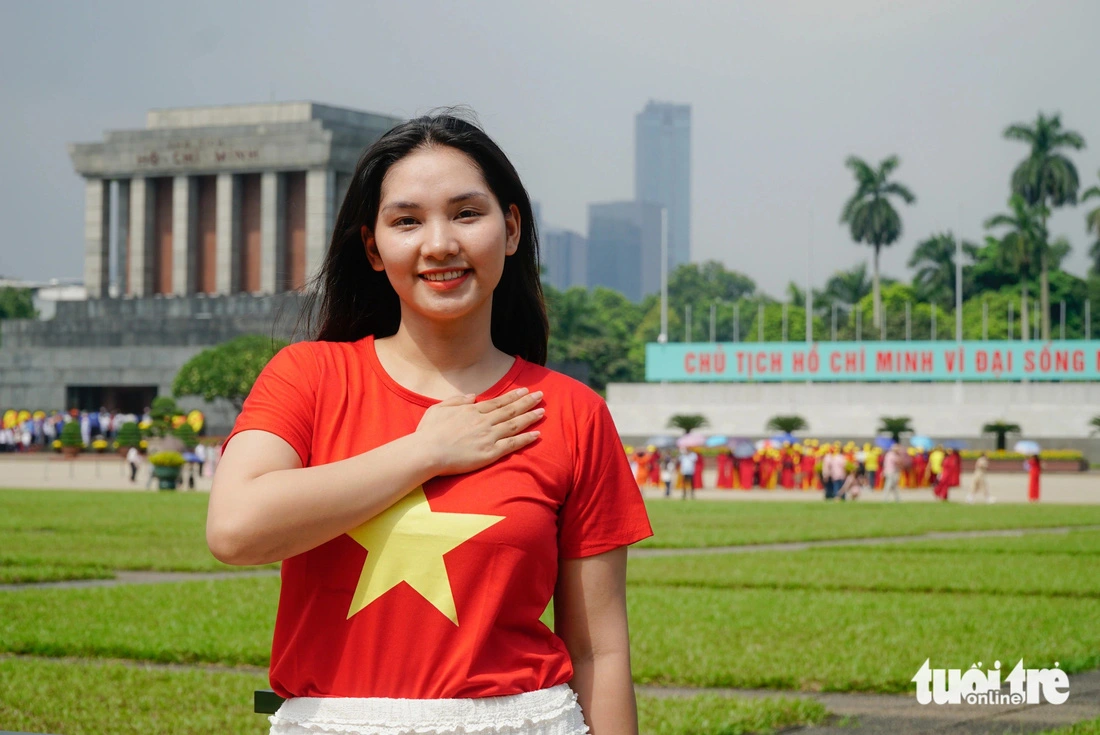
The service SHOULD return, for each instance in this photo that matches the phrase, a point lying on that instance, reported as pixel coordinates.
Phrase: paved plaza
(109, 472)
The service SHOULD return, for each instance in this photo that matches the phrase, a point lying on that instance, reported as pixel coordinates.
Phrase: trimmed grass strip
(90, 698)
(715, 715)
(228, 621)
(679, 524)
(95, 698)
(875, 569)
(846, 641)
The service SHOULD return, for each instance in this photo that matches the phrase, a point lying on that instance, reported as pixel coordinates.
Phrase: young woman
(426, 482)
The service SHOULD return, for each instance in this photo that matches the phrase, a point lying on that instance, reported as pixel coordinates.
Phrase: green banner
(872, 361)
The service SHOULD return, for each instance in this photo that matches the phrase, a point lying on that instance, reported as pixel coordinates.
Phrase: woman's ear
(371, 248)
(512, 230)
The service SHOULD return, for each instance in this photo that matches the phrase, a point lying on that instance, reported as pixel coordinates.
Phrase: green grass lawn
(887, 568)
(77, 535)
(91, 698)
(842, 618)
(723, 523)
(840, 640)
(762, 620)
(1087, 727)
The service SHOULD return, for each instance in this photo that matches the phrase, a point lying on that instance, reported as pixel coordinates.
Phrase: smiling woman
(428, 485)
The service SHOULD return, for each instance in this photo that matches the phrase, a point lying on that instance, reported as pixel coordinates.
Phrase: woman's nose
(440, 240)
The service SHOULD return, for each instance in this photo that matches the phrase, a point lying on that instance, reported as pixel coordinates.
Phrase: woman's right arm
(266, 507)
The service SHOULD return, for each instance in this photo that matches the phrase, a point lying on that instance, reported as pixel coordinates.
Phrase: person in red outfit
(746, 471)
(426, 482)
(724, 463)
(786, 468)
(1034, 469)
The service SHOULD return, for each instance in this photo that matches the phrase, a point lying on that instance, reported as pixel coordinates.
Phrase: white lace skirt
(553, 711)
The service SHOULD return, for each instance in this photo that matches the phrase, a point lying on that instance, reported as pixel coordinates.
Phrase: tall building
(218, 200)
(564, 258)
(624, 247)
(662, 170)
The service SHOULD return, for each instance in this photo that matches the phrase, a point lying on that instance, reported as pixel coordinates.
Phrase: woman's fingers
(500, 401)
(515, 408)
(511, 427)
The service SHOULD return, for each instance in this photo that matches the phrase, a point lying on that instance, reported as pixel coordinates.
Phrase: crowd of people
(22, 431)
(840, 471)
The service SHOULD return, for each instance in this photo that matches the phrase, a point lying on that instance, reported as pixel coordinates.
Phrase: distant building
(624, 247)
(201, 226)
(662, 170)
(218, 200)
(564, 258)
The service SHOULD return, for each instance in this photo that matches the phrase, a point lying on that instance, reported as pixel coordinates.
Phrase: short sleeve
(282, 400)
(604, 508)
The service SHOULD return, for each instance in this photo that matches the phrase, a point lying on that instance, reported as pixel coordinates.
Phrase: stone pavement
(109, 472)
(901, 714)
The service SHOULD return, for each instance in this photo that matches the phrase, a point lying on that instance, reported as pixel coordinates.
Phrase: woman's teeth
(445, 276)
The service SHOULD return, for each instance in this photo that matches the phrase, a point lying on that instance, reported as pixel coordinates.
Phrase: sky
(782, 92)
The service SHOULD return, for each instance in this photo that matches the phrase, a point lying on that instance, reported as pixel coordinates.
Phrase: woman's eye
(467, 213)
(404, 222)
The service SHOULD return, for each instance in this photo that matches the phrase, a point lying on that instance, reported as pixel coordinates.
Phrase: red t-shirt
(446, 604)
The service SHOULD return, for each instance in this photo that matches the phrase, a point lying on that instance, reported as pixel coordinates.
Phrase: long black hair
(355, 300)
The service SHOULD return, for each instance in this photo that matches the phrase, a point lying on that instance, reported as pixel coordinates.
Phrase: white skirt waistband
(551, 711)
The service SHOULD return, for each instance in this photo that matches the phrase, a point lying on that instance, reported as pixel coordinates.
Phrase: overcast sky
(781, 92)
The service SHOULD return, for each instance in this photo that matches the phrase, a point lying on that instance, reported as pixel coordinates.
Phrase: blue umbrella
(717, 440)
(780, 438)
(921, 442)
(743, 449)
(190, 457)
(1027, 447)
(884, 442)
(955, 444)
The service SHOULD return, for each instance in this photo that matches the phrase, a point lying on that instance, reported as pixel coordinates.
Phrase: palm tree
(1095, 424)
(934, 261)
(1020, 247)
(870, 215)
(787, 424)
(849, 286)
(895, 426)
(1046, 178)
(688, 422)
(1092, 225)
(1000, 428)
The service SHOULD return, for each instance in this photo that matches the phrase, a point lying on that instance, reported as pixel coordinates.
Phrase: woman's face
(441, 236)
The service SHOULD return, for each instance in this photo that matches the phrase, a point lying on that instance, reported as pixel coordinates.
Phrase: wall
(1055, 414)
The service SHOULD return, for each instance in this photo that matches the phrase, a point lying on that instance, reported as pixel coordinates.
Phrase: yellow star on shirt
(406, 543)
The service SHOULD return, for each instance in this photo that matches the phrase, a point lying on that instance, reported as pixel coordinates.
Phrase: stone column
(185, 230)
(228, 228)
(97, 254)
(122, 230)
(272, 232)
(320, 186)
(142, 203)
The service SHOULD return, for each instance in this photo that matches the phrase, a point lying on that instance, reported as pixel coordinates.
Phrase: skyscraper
(564, 258)
(624, 247)
(662, 170)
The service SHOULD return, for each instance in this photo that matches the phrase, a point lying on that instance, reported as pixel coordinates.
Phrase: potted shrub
(186, 434)
(99, 445)
(166, 468)
(72, 443)
(128, 436)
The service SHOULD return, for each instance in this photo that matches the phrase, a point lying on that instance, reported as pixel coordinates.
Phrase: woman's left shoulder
(562, 390)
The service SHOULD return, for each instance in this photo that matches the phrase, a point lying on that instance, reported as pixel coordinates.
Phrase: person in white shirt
(979, 483)
(688, 461)
(133, 458)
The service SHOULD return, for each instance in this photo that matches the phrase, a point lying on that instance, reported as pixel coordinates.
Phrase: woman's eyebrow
(453, 200)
